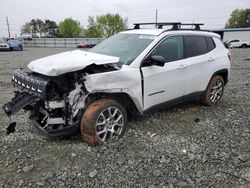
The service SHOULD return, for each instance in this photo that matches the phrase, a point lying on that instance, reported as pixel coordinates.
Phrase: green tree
(47, 28)
(51, 28)
(26, 28)
(40, 27)
(105, 25)
(239, 18)
(70, 28)
(34, 28)
(93, 30)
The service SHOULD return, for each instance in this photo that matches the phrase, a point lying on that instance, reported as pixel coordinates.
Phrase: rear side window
(234, 41)
(210, 44)
(194, 46)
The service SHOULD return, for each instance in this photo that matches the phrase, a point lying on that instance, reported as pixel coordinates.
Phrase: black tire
(244, 46)
(104, 119)
(214, 91)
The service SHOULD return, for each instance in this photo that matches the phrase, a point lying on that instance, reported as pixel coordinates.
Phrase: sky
(213, 13)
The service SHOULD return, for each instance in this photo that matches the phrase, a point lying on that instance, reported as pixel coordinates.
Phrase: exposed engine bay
(56, 103)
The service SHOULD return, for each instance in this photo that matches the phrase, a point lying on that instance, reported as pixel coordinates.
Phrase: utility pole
(156, 17)
(8, 25)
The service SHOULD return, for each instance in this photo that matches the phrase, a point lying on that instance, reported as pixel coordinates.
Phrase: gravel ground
(185, 146)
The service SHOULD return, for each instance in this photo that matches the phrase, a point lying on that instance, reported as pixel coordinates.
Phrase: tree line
(239, 18)
(98, 27)
(106, 25)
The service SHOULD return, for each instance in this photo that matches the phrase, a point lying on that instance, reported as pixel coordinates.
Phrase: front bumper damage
(31, 96)
(31, 89)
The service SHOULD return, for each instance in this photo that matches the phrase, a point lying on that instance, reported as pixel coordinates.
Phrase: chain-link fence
(60, 42)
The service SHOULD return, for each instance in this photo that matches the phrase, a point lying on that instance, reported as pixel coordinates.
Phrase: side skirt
(196, 96)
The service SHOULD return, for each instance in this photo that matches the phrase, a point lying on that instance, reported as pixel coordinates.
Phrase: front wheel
(244, 46)
(214, 91)
(103, 120)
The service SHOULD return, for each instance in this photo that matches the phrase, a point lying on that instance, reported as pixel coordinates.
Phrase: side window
(194, 46)
(210, 44)
(234, 41)
(170, 48)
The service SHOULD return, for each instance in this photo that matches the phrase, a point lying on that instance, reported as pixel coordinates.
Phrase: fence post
(65, 43)
(55, 42)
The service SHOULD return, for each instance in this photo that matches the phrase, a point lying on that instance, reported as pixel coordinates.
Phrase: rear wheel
(244, 46)
(103, 120)
(214, 91)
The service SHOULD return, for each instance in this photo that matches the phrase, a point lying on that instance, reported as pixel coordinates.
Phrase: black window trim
(158, 43)
(183, 36)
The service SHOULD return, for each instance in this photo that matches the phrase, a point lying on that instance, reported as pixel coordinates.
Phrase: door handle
(182, 66)
(211, 59)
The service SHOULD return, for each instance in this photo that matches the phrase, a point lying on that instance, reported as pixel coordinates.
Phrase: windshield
(125, 46)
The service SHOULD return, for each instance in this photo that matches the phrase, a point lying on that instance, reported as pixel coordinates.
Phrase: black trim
(20, 101)
(142, 86)
(66, 131)
(221, 72)
(155, 93)
(196, 96)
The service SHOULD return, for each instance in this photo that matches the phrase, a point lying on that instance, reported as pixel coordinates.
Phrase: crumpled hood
(58, 64)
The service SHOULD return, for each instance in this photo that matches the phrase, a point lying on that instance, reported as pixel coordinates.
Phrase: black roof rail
(159, 25)
(175, 25)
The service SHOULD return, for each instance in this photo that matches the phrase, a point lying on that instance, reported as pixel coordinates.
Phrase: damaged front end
(54, 103)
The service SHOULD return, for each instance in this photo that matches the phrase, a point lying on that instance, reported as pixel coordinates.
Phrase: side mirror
(158, 60)
(154, 60)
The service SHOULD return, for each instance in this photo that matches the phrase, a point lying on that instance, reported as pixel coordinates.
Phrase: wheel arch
(123, 98)
(223, 73)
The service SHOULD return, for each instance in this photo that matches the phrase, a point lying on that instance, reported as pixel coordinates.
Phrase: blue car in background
(10, 45)
(15, 45)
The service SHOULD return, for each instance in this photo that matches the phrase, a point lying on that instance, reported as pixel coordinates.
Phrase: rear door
(198, 51)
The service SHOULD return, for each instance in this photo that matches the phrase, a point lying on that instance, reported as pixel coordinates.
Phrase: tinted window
(210, 44)
(234, 41)
(171, 49)
(194, 46)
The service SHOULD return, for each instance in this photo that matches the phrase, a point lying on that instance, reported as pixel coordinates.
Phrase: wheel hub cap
(110, 123)
(216, 91)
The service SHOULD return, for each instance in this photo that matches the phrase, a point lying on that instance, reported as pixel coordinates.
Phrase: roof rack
(175, 25)
(196, 25)
(159, 25)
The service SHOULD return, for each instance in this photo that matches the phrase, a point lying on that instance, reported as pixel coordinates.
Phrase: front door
(165, 83)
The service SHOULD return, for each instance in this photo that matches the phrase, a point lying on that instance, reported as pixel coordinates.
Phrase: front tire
(103, 120)
(214, 91)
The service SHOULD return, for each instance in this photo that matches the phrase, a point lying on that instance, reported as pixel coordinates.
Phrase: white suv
(133, 72)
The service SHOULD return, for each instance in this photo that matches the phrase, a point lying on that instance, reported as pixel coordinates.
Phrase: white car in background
(4, 46)
(237, 43)
(133, 72)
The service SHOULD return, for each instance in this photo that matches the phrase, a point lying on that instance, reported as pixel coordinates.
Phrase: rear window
(194, 46)
(210, 44)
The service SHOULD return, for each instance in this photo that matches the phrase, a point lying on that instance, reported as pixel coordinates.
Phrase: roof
(159, 31)
(145, 31)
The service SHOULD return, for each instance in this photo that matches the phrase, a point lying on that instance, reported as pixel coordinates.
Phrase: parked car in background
(4, 45)
(26, 36)
(86, 45)
(15, 45)
(237, 43)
